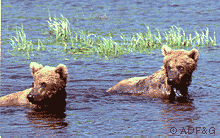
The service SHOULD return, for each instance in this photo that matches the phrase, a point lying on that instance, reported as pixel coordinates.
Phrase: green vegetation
(60, 27)
(89, 43)
(20, 42)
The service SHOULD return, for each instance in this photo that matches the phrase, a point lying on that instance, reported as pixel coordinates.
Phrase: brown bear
(48, 88)
(175, 75)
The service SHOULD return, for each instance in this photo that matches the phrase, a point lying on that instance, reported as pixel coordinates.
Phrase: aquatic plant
(61, 27)
(89, 43)
(176, 37)
(21, 43)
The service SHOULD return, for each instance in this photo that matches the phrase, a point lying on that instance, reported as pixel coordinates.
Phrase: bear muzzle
(30, 98)
(173, 77)
(170, 81)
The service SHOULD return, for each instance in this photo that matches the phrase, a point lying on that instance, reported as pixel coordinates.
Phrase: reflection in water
(179, 107)
(52, 120)
(177, 114)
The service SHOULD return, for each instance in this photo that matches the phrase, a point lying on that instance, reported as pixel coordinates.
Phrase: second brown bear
(175, 75)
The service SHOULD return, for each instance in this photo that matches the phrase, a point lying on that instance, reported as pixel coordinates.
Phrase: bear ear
(166, 50)
(62, 70)
(35, 67)
(194, 54)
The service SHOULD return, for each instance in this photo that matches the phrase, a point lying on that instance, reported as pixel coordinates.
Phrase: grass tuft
(21, 43)
(89, 43)
(61, 27)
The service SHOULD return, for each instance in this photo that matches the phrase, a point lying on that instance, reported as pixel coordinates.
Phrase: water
(90, 110)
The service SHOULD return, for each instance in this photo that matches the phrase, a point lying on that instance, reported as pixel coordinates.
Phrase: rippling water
(90, 110)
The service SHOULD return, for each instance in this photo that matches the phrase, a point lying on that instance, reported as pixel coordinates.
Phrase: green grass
(21, 43)
(61, 27)
(89, 43)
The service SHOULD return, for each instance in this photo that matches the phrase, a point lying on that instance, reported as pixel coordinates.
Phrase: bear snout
(33, 99)
(30, 98)
(173, 77)
(170, 81)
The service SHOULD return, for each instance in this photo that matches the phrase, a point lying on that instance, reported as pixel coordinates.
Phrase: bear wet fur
(48, 90)
(175, 75)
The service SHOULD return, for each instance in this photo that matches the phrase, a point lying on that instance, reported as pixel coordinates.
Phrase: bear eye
(43, 84)
(169, 68)
(180, 68)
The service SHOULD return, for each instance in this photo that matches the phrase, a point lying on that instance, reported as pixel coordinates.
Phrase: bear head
(48, 86)
(179, 66)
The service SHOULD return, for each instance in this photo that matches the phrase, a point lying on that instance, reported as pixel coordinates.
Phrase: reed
(59, 26)
(139, 42)
(89, 43)
(21, 43)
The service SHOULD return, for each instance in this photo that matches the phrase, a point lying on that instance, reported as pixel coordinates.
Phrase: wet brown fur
(176, 72)
(49, 87)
